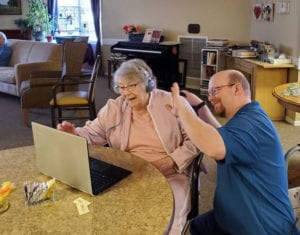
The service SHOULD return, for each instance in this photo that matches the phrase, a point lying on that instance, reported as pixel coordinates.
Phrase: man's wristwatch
(199, 106)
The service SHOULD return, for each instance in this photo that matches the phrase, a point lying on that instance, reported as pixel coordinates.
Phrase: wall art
(263, 11)
(10, 7)
(267, 11)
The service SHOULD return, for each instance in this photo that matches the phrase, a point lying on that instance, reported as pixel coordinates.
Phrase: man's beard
(222, 114)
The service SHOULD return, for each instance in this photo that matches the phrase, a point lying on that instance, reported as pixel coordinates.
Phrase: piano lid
(140, 47)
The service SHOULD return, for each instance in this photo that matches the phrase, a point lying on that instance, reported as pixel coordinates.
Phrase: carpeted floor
(14, 134)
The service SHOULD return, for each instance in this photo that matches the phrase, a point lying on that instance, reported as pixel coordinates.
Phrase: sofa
(28, 56)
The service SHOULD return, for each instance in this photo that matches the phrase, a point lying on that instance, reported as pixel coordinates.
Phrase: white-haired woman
(5, 50)
(139, 123)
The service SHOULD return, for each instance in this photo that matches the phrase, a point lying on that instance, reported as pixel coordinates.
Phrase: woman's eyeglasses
(129, 87)
(215, 90)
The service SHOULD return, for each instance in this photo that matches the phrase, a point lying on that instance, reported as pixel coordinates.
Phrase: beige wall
(229, 19)
(283, 32)
(217, 18)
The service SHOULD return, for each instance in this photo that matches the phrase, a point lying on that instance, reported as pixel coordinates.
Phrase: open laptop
(64, 157)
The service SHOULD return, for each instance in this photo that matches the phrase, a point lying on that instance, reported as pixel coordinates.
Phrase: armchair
(37, 91)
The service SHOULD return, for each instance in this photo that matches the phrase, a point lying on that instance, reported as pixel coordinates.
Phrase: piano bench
(112, 66)
(182, 66)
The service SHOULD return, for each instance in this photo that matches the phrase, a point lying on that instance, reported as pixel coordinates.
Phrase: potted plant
(25, 30)
(38, 19)
(134, 32)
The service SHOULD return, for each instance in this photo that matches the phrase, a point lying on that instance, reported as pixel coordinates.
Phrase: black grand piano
(161, 57)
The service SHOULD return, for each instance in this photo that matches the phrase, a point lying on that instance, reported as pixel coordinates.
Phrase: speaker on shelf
(193, 28)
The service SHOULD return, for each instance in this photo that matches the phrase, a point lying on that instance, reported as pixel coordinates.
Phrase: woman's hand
(67, 127)
(165, 166)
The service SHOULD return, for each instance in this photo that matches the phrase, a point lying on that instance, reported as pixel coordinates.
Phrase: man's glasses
(215, 90)
(129, 87)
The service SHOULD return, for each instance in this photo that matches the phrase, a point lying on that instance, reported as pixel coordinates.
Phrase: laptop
(64, 157)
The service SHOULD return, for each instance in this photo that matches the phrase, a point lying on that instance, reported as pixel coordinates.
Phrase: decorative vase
(49, 38)
(38, 35)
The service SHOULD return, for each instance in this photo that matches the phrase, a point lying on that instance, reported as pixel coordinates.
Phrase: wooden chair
(293, 174)
(37, 91)
(73, 57)
(194, 193)
(64, 99)
(182, 72)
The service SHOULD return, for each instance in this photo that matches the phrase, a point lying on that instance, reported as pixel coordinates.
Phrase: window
(75, 18)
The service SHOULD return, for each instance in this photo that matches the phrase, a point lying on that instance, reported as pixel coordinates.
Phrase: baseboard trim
(291, 121)
(111, 41)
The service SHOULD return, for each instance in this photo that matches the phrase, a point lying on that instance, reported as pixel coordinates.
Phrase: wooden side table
(289, 102)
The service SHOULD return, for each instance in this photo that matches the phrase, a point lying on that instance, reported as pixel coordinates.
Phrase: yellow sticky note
(82, 208)
(82, 201)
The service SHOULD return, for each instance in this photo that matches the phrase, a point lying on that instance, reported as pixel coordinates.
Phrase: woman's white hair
(4, 37)
(135, 68)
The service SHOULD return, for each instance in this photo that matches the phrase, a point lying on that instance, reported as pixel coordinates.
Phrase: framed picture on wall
(10, 7)
(268, 11)
(263, 11)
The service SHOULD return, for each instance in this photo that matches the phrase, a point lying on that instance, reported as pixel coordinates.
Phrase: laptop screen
(62, 156)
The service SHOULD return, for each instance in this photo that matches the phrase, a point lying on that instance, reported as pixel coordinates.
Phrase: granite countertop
(140, 204)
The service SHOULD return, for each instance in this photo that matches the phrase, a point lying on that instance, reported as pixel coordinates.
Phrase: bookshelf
(210, 64)
(190, 50)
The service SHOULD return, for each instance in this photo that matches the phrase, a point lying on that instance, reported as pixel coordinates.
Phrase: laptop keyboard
(99, 181)
(104, 175)
(98, 165)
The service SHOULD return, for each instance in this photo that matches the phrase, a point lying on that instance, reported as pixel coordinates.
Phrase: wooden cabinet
(17, 34)
(263, 78)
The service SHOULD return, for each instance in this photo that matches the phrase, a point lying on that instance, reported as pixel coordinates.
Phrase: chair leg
(53, 117)
(25, 117)
(59, 114)
(91, 114)
(94, 111)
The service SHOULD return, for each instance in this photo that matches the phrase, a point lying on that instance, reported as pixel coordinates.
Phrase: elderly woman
(139, 123)
(5, 50)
